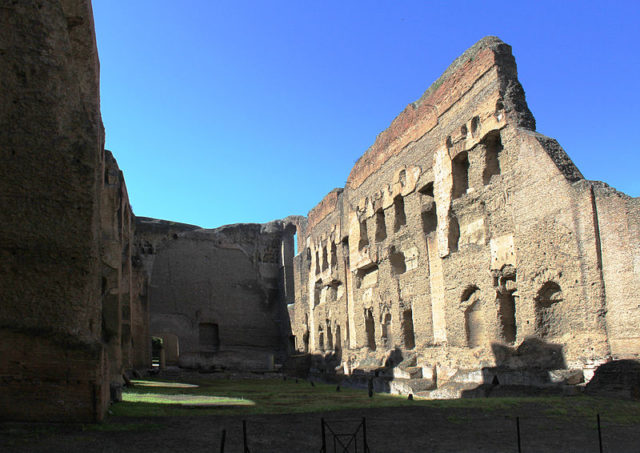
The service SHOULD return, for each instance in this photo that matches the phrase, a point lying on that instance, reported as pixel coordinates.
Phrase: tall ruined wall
(218, 297)
(125, 317)
(51, 141)
(618, 222)
(56, 231)
(465, 241)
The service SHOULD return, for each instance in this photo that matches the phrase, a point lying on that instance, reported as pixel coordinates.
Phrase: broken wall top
(422, 116)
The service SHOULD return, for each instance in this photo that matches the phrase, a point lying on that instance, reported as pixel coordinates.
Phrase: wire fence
(350, 436)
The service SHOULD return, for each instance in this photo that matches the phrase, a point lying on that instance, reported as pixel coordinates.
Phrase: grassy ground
(284, 416)
(244, 396)
(276, 396)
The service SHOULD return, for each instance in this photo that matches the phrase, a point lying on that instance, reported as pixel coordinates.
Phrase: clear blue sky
(247, 111)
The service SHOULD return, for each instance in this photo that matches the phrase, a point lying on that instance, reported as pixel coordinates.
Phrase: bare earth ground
(418, 428)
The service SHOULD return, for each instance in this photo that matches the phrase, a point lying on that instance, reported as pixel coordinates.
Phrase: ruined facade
(218, 297)
(468, 249)
(71, 319)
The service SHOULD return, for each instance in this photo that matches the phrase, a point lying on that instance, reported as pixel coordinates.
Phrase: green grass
(185, 400)
(275, 396)
(247, 396)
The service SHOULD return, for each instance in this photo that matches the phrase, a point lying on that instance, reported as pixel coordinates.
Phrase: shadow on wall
(533, 367)
(328, 368)
(617, 379)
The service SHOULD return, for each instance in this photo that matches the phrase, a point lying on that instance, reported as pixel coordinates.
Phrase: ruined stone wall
(618, 222)
(218, 297)
(465, 241)
(51, 142)
(125, 317)
(65, 224)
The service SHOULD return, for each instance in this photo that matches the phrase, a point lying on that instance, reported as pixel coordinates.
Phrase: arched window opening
(325, 260)
(475, 125)
(474, 323)
(305, 340)
(398, 265)
(454, 234)
(386, 326)
(329, 336)
(460, 175)
(400, 216)
(381, 226)
(364, 236)
(402, 177)
(370, 328)
(507, 308)
(408, 334)
(547, 311)
(320, 338)
(338, 343)
(317, 293)
(493, 146)
(507, 316)
(429, 218)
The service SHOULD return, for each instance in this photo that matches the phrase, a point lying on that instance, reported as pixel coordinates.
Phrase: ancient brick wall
(51, 141)
(66, 226)
(618, 221)
(219, 296)
(464, 241)
(125, 316)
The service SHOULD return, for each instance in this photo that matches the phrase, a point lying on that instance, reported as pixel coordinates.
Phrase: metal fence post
(244, 436)
(364, 434)
(224, 436)
(324, 442)
(599, 433)
(518, 431)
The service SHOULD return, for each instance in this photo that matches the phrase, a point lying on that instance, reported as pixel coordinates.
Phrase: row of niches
(329, 339)
(472, 130)
(494, 319)
(400, 262)
(379, 333)
(327, 292)
(326, 257)
(485, 321)
(470, 170)
(475, 168)
(385, 338)
(380, 222)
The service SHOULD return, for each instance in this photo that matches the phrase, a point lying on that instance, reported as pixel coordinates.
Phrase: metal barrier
(347, 442)
(343, 442)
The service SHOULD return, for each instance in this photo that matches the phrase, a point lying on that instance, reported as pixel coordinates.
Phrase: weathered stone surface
(51, 141)
(466, 251)
(619, 378)
(219, 296)
(65, 262)
(467, 239)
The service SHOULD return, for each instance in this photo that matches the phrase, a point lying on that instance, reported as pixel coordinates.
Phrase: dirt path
(416, 429)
